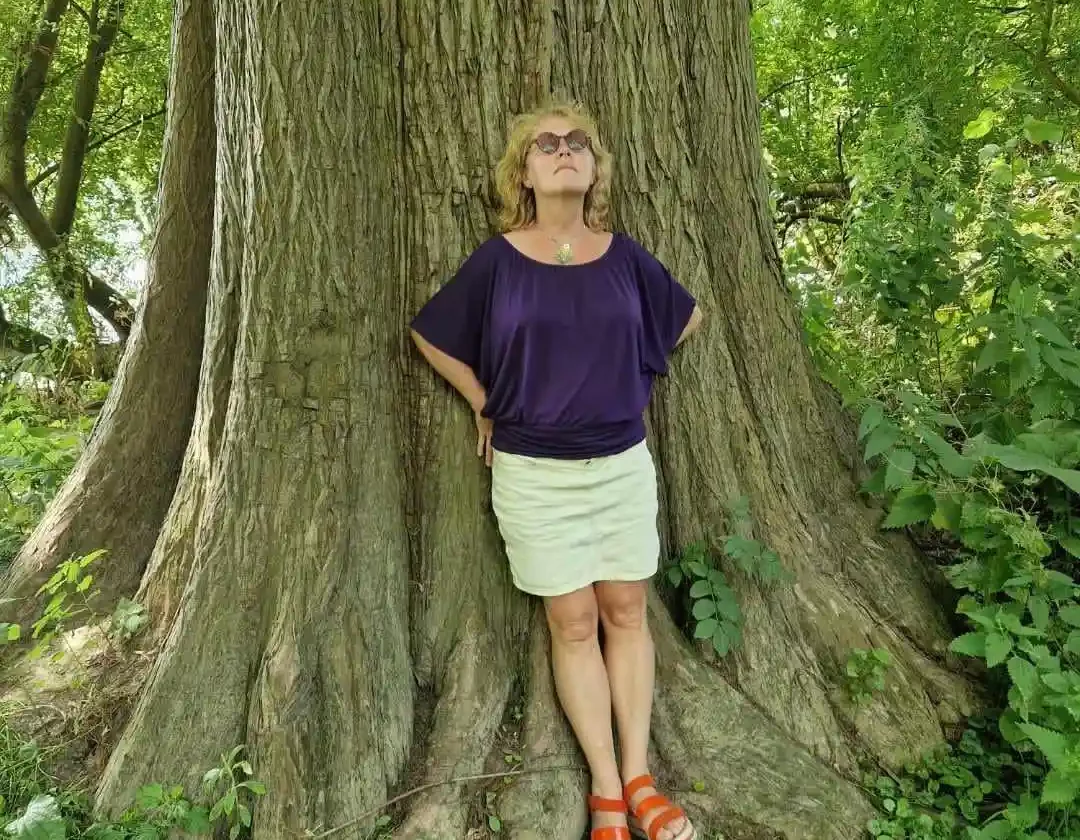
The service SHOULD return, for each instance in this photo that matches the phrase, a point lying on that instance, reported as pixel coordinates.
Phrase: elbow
(696, 319)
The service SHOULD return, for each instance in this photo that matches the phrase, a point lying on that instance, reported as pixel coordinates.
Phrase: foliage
(979, 789)
(926, 181)
(865, 673)
(951, 319)
(41, 437)
(34, 807)
(714, 604)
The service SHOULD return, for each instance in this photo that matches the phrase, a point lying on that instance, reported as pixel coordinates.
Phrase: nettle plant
(714, 605)
(67, 603)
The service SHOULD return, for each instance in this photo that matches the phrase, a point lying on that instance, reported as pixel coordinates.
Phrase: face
(564, 171)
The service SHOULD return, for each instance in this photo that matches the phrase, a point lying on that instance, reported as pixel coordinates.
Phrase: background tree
(79, 148)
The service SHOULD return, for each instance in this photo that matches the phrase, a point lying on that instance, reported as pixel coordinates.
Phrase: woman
(554, 331)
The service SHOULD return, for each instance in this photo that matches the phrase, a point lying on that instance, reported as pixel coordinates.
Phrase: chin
(567, 189)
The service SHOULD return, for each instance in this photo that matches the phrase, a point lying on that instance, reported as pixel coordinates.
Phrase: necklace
(564, 254)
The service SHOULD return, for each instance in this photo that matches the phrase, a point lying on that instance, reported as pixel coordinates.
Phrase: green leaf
(981, 125)
(1038, 131)
(1060, 786)
(721, 641)
(1023, 461)
(901, 463)
(700, 589)
(40, 821)
(494, 823)
(909, 509)
(704, 608)
(871, 418)
(1070, 614)
(969, 644)
(675, 575)
(698, 568)
(951, 461)
(1024, 675)
(149, 796)
(1071, 545)
(1050, 331)
(947, 514)
(1064, 174)
(1052, 744)
(196, 821)
(1066, 370)
(705, 629)
(881, 440)
(994, 352)
(998, 647)
(1039, 608)
(1025, 815)
(1072, 643)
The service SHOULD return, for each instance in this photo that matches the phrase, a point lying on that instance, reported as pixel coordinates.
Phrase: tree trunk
(118, 493)
(329, 585)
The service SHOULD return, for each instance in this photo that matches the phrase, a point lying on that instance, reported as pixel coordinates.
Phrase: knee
(575, 625)
(624, 613)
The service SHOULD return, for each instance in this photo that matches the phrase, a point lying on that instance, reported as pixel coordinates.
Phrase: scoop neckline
(560, 266)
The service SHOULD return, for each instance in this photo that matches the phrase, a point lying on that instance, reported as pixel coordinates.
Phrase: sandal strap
(650, 803)
(614, 806)
(610, 832)
(658, 824)
(634, 785)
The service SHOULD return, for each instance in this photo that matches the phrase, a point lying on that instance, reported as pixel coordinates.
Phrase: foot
(608, 816)
(651, 812)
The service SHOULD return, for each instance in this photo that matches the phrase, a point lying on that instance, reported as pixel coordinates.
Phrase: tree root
(466, 720)
(548, 806)
(751, 773)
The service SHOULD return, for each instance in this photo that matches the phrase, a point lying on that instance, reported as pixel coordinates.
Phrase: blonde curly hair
(518, 203)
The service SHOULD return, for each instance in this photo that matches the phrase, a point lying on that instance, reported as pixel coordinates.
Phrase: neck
(561, 216)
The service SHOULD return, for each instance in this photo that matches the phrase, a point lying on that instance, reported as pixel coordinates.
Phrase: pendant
(564, 254)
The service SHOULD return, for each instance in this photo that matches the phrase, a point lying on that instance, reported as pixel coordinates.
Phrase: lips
(565, 166)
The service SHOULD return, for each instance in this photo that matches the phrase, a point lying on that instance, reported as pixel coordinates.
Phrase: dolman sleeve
(454, 319)
(665, 310)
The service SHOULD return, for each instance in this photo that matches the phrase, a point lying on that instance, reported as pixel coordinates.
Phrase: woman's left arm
(696, 317)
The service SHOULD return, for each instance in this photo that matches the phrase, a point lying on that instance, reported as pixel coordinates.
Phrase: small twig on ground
(457, 780)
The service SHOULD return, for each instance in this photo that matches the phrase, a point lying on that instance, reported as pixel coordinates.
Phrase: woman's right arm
(457, 373)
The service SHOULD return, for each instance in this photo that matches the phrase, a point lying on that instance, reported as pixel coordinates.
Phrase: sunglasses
(548, 142)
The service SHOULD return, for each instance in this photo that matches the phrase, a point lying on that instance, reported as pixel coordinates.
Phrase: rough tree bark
(328, 585)
(118, 493)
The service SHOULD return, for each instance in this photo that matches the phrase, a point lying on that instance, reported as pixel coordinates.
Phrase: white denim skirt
(570, 523)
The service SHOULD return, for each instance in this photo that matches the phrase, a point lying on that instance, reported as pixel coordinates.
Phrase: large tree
(327, 585)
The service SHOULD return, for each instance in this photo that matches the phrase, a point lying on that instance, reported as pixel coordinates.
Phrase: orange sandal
(670, 813)
(611, 806)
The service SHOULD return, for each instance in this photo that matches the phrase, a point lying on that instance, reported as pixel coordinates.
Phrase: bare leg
(631, 667)
(581, 683)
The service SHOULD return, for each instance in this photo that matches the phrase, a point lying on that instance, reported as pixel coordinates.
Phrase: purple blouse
(566, 353)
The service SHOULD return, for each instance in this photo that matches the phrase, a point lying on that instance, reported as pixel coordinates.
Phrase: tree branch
(102, 35)
(20, 339)
(1065, 88)
(68, 276)
(26, 92)
(82, 13)
(792, 82)
(791, 218)
(53, 168)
